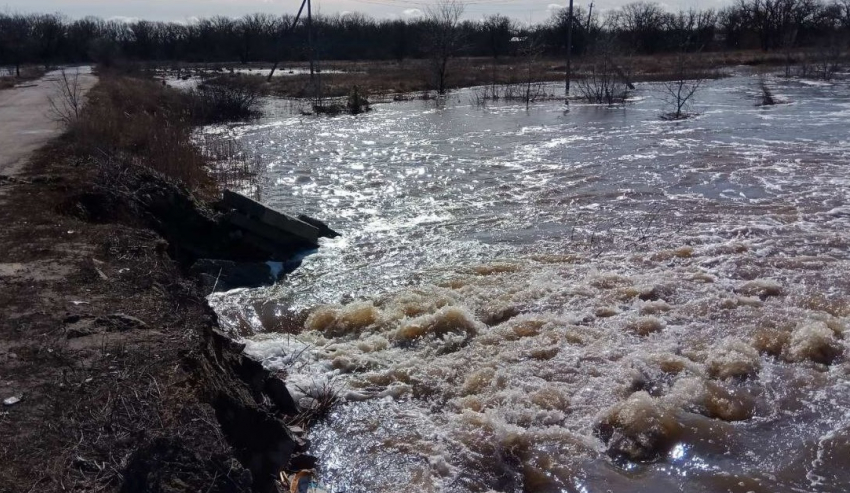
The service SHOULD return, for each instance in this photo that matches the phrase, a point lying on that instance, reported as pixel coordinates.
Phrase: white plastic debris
(11, 401)
(302, 482)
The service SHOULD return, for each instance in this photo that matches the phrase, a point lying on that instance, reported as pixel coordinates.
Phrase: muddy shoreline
(119, 377)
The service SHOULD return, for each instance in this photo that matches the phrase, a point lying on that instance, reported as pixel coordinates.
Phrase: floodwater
(585, 301)
(188, 79)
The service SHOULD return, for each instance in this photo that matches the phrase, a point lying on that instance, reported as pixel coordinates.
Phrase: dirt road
(25, 120)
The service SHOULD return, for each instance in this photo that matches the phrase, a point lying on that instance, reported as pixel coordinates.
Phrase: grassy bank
(136, 121)
(132, 121)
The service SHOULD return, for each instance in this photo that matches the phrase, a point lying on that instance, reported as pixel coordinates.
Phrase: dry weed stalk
(66, 103)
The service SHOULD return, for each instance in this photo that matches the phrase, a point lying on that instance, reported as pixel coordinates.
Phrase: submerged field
(583, 300)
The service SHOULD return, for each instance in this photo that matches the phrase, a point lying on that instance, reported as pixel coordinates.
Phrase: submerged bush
(357, 102)
(601, 85)
(767, 98)
(603, 81)
(227, 98)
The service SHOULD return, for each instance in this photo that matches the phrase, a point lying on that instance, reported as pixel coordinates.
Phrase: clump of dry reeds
(136, 121)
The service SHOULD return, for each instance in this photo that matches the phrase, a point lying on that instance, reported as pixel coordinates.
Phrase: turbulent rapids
(592, 300)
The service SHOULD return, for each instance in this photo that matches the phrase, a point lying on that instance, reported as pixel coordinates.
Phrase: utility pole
(569, 48)
(284, 34)
(310, 38)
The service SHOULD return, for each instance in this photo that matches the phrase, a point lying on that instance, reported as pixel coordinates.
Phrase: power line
(401, 3)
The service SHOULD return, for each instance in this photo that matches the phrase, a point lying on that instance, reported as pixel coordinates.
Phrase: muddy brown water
(582, 301)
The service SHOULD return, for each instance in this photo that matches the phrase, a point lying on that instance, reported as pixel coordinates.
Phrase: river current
(592, 300)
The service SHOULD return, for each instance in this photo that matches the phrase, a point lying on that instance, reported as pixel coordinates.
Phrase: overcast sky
(185, 10)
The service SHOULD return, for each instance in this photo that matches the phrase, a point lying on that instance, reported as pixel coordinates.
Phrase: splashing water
(584, 301)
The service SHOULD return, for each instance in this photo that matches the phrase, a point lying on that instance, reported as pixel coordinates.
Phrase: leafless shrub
(599, 234)
(228, 98)
(66, 102)
(354, 104)
(479, 96)
(828, 61)
(525, 92)
(805, 69)
(600, 85)
(679, 92)
(824, 64)
(604, 82)
(330, 107)
(531, 52)
(357, 102)
(526, 89)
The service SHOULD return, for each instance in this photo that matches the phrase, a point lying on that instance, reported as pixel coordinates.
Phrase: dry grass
(325, 396)
(131, 121)
(233, 166)
(139, 122)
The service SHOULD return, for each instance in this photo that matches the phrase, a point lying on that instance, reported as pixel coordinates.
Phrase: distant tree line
(641, 27)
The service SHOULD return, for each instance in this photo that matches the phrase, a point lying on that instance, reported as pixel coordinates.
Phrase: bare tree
(532, 89)
(15, 40)
(843, 7)
(67, 101)
(774, 21)
(499, 30)
(641, 24)
(789, 39)
(679, 92)
(444, 39)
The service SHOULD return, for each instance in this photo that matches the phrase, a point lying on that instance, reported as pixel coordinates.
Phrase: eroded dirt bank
(115, 375)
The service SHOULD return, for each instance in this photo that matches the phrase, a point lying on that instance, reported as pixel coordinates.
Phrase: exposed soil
(123, 381)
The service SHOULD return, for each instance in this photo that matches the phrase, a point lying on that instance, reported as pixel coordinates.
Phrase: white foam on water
(548, 301)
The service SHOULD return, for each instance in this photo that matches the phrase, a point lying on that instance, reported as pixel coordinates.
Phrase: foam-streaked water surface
(582, 301)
